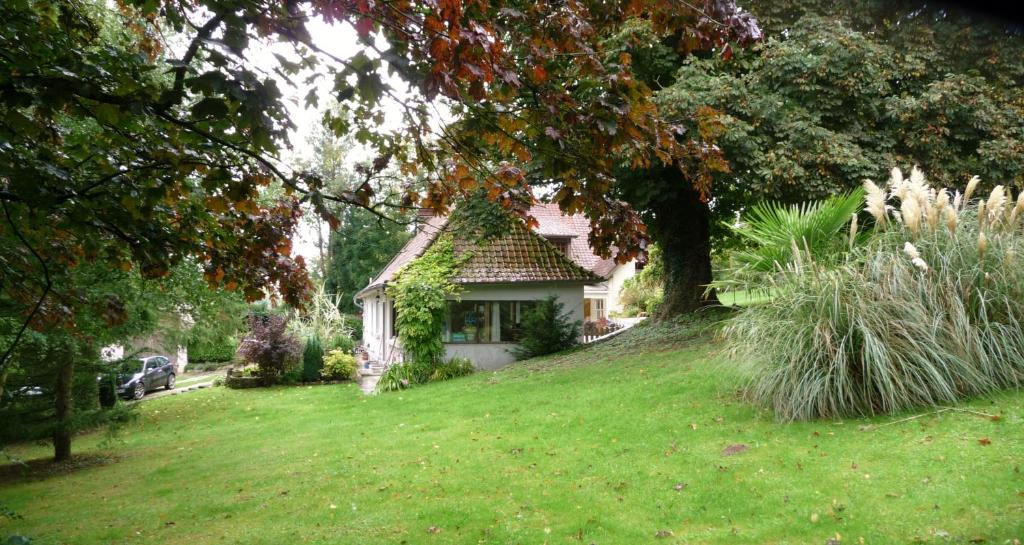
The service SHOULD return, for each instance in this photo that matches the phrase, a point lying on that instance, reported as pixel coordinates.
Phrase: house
(499, 281)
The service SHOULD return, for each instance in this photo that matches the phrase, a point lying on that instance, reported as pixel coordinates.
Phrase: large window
(485, 321)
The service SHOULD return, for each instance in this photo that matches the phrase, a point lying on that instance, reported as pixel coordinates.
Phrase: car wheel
(138, 391)
(170, 381)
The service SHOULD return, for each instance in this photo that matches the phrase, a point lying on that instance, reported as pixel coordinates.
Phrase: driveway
(188, 382)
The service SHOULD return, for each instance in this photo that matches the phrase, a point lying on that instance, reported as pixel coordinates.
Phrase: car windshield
(131, 366)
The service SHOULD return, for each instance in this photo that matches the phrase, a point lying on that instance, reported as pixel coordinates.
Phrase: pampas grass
(920, 314)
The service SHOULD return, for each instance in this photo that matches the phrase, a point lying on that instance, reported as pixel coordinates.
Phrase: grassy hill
(642, 439)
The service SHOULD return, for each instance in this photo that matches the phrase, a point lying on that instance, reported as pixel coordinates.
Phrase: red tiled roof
(518, 256)
(553, 223)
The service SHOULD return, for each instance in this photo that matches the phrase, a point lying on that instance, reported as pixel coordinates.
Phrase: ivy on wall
(420, 291)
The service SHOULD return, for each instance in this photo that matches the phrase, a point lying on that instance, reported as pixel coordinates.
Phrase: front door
(586, 310)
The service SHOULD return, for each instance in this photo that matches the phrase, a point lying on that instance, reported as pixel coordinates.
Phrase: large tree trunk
(682, 228)
(63, 405)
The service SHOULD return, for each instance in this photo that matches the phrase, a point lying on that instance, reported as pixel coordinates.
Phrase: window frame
(495, 325)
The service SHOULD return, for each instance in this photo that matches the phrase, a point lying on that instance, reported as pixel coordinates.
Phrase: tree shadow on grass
(41, 469)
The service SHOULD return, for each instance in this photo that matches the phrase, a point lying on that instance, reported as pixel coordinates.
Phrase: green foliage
(312, 359)
(339, 365)
(420, 291)
(826, 105)
(357, 251)
(340, 342)
(926, 312)
(321, 318)
(209, 353)
(546, 329)
(453, 368)
(396, 377)
(643, 292)
(406, 375)
(772, 231)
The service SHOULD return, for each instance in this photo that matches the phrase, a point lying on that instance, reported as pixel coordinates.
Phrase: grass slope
(609, 444)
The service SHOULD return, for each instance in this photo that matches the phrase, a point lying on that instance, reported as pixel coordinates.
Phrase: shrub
(312, 359)
(220, 352)
(453, 368)
(321, 318)
(546, 330)
(406, 375)
(270, 346)
(397, 377)
(341, 342)
(772, 231)
(928, 310)
(339, 365)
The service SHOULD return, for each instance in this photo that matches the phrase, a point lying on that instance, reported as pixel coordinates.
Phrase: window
(599, 308)
(562, 243)
(469, 322)
(485, 321)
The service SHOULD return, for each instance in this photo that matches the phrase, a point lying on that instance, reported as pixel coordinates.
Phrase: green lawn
(608, 445)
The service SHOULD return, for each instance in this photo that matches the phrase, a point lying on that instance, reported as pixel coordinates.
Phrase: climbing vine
(420, 291)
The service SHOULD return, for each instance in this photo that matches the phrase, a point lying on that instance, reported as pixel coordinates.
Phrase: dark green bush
(312, 359)
(546, 330)
(211, 352)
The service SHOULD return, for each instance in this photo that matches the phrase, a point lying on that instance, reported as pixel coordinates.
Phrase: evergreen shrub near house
(546, 329)
(926, 309)
(339, 365)
(312, 359)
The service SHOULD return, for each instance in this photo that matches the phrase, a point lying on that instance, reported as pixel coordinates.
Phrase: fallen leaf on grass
(984, 441)
(679, 487)
(433, 530)
(663, 534)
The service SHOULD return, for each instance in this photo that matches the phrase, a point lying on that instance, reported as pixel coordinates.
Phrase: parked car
(134, 377)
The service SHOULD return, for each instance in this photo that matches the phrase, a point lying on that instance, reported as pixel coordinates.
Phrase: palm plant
(779, 236)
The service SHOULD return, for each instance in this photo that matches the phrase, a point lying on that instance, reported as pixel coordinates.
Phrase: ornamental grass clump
(926, 310)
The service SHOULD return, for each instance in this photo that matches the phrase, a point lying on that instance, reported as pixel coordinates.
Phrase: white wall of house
(619, 275)
(377, 327)
(381, 346)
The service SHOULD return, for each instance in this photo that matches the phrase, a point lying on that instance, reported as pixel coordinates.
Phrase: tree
(817, 109)
(358, 250)
(119, 151)
(54, 371)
